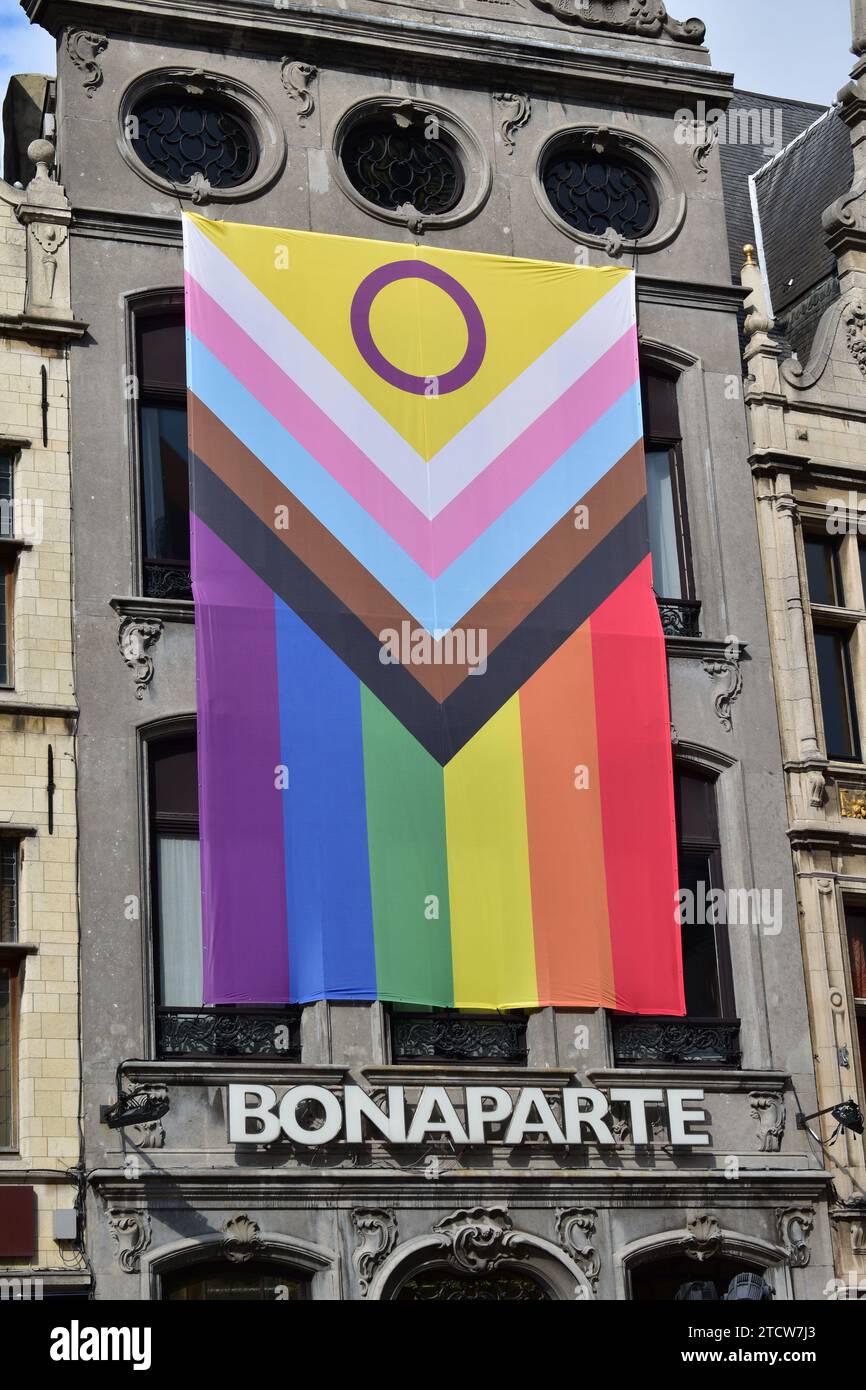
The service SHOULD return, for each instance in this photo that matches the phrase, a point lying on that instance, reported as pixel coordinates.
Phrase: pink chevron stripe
(433, 545)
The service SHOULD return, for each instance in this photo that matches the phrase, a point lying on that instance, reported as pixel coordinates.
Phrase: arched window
(667, 512)
(448, 1286)
(160, 368)
(264, 1281)
(676, 1277)
(185, 1026)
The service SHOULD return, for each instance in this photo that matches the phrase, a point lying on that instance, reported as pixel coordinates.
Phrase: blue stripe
(436, 604)
(329, 909)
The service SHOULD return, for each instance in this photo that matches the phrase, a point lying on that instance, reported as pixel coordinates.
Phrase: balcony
(682, 1042)
(221, 1032)
(166, 581)
(446, 1037)
(680, 617)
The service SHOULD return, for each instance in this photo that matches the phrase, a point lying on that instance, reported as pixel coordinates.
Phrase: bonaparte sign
(315, 1115)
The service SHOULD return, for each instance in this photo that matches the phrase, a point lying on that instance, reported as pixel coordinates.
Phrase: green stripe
(408, 861)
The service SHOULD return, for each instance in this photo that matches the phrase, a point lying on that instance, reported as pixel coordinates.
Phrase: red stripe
(637, 797)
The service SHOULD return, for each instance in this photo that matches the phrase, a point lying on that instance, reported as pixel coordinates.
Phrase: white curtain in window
(179, 920)
(662, 517)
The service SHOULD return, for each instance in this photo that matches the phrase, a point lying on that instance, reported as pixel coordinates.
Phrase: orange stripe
(564, 829)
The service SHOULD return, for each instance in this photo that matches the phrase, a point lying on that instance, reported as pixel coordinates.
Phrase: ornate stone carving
(242, 1239)
(151, 1133)
(377, 1235)
(648, 18)
(705, 1238)
(517, 109)
(817, 783)
(795, 1227)
(768, 1108)
(479, 1239)
(134, 639)
(575, 1228)
(727, 669)
(84, 47)
(132, 1234)
(297, 78)
(854, 320)
(706, 136)
(852, 803)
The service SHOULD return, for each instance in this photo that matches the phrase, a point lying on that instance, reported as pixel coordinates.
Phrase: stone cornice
(507, 53)
(167, 1187)
(33, 329)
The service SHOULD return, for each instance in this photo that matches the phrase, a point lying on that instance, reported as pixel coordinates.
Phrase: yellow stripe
(488, 869)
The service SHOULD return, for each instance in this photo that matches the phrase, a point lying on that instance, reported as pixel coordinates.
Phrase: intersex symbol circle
(359, 318)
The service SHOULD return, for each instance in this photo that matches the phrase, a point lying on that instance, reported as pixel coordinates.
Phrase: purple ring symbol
(359, 319)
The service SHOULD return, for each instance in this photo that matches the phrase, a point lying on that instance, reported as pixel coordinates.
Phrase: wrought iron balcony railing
(680, 617)
(685, 1042)
(457, 1038)
(229, 1032)
(167, 581)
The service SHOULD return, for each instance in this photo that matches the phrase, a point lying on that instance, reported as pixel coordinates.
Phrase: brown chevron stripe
(498, 613)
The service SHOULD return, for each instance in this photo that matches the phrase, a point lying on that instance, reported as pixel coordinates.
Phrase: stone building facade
(180, 1204)
(807, 418)
(40, 1138)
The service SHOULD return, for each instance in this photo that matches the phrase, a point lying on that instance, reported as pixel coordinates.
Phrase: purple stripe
(245, 937)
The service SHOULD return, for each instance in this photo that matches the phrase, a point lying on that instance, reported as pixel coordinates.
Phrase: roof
(792, 193)
(781, 117)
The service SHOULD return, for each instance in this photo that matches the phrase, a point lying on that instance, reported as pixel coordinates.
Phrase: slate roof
(739, 160)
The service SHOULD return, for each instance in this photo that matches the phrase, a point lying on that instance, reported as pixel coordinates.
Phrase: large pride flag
(434, 737)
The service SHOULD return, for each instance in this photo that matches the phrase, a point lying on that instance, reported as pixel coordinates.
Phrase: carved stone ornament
(706, 136)
(575, 1228)
(795, 1227)
(132, 1234)
(296, 78)
(480, 1239)
(242, 1239)
(134, 639)
(150, 1134)
(648, 18)
(768, 1108)
(728, 670)
(854, 319)
(705, 1238)
(84, 47)
(516, 111)
(817, 783)
(377, 1235)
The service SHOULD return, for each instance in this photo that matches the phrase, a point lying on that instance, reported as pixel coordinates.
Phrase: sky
(786, 48)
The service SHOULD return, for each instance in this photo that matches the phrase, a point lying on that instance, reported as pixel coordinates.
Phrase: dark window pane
(697, 819)
(174, 778)
(593, 193)
(6, 1057)
(7, 515)
(8, 890)
(837, 701)
(822, 570)
(392, 165)
(5, 623)
(856, 920)
(660, 411)
(161, 353)
(700, 956)
(248, 1281)
(165, 483)
(663, 524)
(179, 136)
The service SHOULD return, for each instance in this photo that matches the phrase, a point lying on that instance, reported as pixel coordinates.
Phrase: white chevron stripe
(430, 486)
